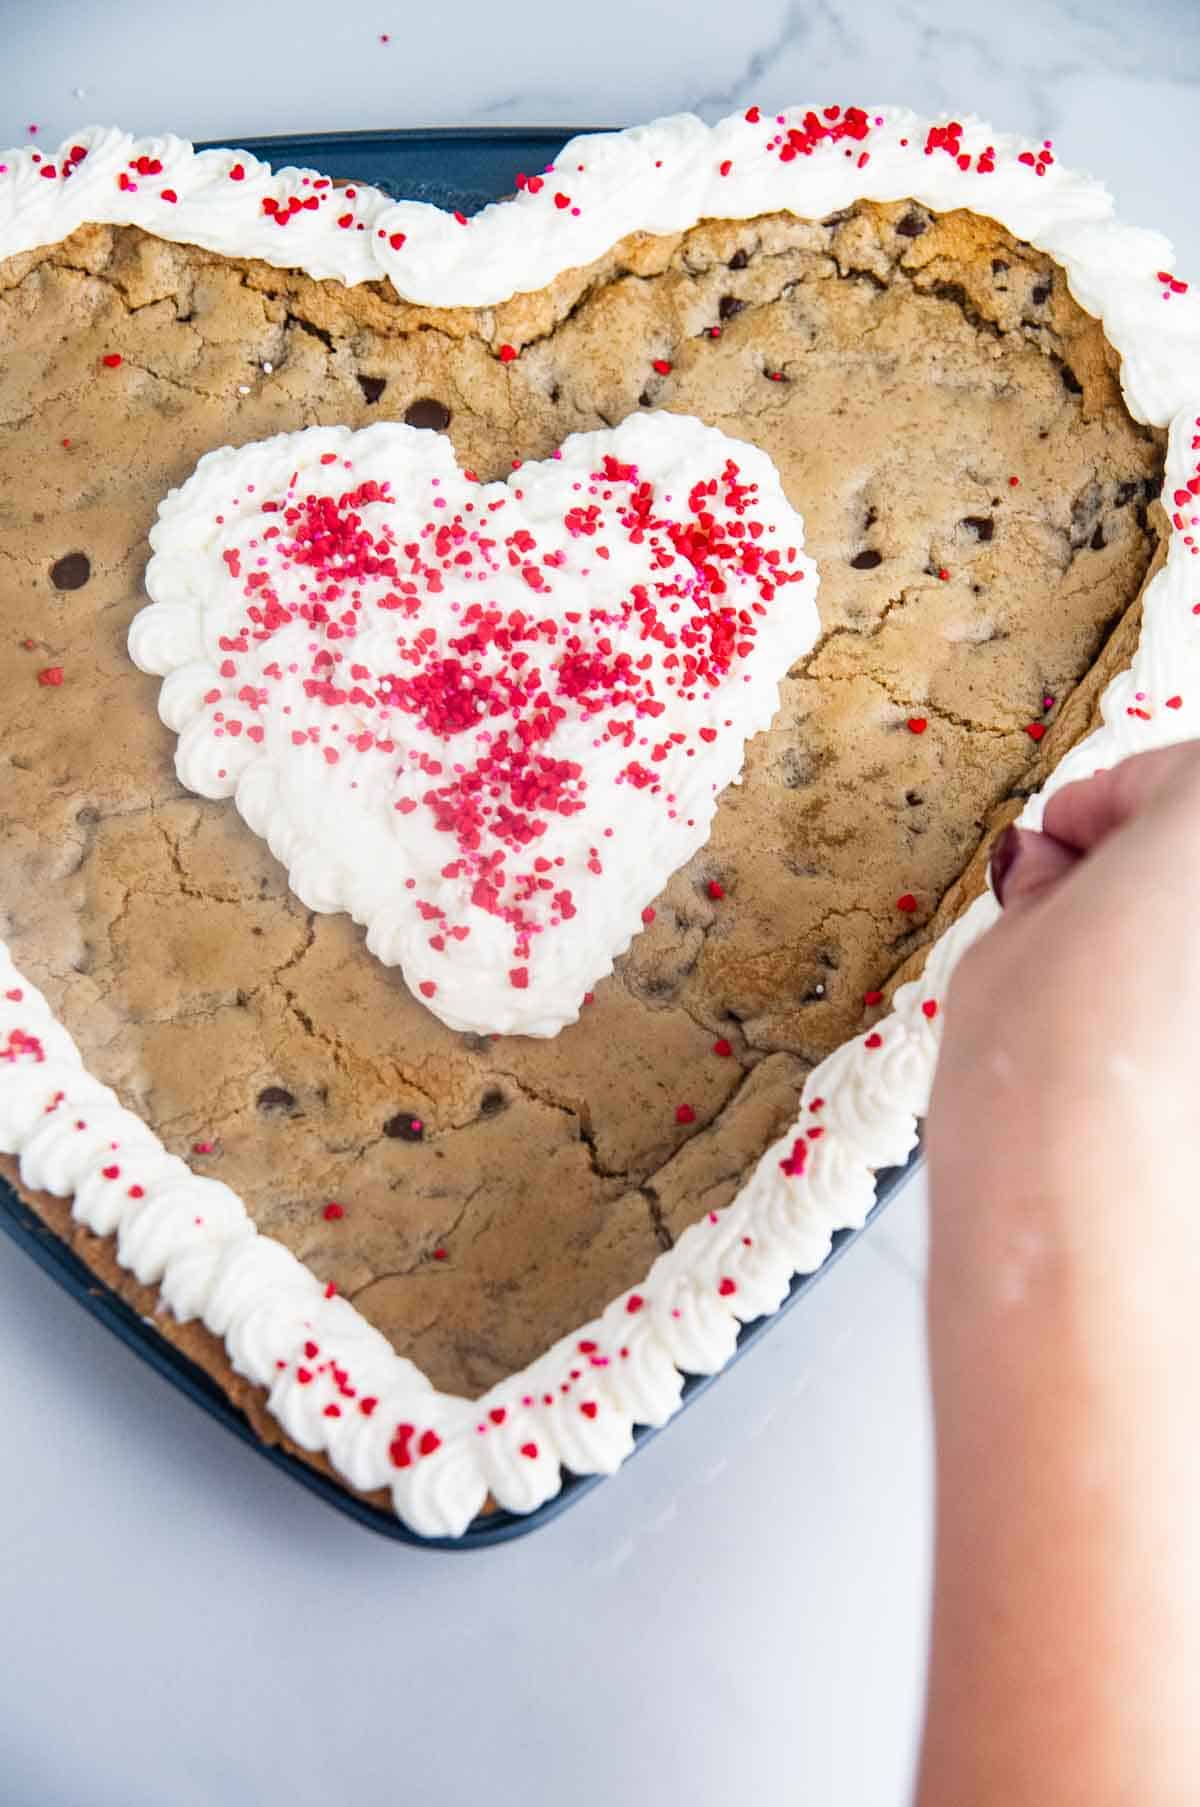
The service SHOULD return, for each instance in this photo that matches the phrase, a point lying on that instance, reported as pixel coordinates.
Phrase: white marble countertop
(740, 1615)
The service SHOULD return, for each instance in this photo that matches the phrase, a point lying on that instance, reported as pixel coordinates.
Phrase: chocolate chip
(372, 388)
(1085, 512)
(1070, 381)
(492, 1103)
(1152, 488)
(275, 1098)
(728, 306)
(999, 267)
(739, 260)
(427, 412)
(870, 518)
(404, 1127)
(912, 226)
(866, 561)
(71, 572)
(981, 525)
(555, 394)
(1125, 494)
(1097, 541)
(914, 799)
(797, 768)
(1040, 294)
(645, 399)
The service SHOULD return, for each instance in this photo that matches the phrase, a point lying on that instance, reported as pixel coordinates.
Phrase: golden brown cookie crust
(901, 368)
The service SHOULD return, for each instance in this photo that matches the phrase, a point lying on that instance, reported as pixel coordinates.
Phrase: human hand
(1073, 1026)
(1064, 1335)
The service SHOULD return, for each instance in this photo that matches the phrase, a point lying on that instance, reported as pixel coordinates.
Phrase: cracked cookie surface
(901, 369)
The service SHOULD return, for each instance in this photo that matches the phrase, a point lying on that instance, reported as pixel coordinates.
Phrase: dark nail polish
(1004, 853)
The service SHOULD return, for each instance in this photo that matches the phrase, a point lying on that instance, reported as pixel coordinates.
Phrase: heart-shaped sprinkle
(488, 720)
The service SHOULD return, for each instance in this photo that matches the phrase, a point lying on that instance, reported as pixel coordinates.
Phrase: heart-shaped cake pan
(450, 1266)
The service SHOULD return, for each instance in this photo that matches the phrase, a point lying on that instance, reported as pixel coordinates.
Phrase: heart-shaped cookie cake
(448, 1263)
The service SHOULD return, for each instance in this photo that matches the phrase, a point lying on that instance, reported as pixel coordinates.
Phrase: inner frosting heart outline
(438, 1456)
(488, 720)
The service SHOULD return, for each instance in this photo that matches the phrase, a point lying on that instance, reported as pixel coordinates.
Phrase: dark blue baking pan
(450, 167)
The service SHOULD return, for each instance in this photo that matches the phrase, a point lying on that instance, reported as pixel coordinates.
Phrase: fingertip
(1025, 864)
(1005, 851)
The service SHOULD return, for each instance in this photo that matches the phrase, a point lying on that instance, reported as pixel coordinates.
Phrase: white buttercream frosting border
(334, 1383)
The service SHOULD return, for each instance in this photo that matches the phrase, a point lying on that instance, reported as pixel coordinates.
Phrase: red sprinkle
(716, 890)
(794, 1164)
(663, 366)
(634, 1302)
(907, 903)
(51, 677)
(1035, 730)
(684, 1113)
(112, 360)
(874, 1040)
(727, 1287)
(723, 1048)
(929, 1008)
(507, 353)
(333, 1211)
(917, 724)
